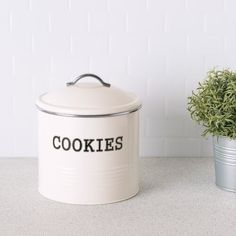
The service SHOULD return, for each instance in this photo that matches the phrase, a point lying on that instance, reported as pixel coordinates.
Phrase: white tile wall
(159, 49)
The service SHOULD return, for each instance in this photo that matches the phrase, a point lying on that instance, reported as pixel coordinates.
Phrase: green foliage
(213, 104)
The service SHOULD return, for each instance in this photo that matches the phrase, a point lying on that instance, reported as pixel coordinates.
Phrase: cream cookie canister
(88, 143)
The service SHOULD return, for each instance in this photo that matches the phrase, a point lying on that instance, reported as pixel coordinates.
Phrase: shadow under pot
(88, 135)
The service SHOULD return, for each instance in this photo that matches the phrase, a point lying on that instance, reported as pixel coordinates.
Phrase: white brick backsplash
(229, 5)
(15, 44)
(191, 83)
(224, 20)
(30, 65)
(30, 22)
(180, 147)
(166, 6)
(48, 5)
(230, 46)
(112, 68)
(155, 87)
(51, 44)
(6, 62)
(146, 22)
(6, 138)
(168, 43)
(185, 22)
(88, 5)
(14, 6)
(68, 22)
(68, 67)
(191, 129)
(154, 108)
(206, 44)
(5, 22)
(128, 44)
(150, 65)
(134, 84)
(175, 107)
(127, 5)
(152, 147)
(111, 22)
(158, 49)
(206, 147)
(185, 65)
(208, 6)
(90, 44)
(164, 127)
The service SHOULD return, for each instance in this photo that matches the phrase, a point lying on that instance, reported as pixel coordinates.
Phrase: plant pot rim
(223, 137)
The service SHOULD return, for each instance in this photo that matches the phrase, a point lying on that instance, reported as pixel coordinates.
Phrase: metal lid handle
(88, 75)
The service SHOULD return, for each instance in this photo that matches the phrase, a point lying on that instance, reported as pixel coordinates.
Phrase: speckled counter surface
(177, 197)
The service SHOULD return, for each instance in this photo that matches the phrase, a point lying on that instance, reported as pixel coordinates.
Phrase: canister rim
(121, 113)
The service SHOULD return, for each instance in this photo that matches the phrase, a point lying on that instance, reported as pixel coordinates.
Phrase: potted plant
(213, 105)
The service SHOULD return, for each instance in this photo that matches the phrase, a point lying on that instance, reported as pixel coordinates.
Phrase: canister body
(88, 160)
(225, 163)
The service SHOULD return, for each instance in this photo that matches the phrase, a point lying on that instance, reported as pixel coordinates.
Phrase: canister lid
(88, 99)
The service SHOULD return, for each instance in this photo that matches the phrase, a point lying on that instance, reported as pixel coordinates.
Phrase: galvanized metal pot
(225, 163)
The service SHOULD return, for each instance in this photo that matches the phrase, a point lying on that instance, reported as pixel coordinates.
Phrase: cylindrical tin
(88, 144)
(225, 163)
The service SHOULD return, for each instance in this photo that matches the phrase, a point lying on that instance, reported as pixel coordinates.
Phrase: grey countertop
(177, 197)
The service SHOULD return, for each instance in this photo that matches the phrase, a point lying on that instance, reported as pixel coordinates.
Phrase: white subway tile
(174, 87)
(6, 62)
(185, 64)
(182, 147)
(205, 6)
(14, 6)
(127, 5)
(166, 6)
(51, 44)
(207, 147)
(184, 22)
(66, 68)
(212, 61)
(229, 6)
(135, 84)
(146, 65)
(7, 136)
(156, 87)
(128, 44)
(191, 128)
(225, 21)
(5, 21)
(153, 108)
(168, 43)
(164, 127)
(176, 107)
(230, 46)
(78, 6)
(25, 128)
(114, 68)
(90, 44)
(28, 22)
(206, 44)
(48, 5)
(13, 44)
(152, 147)
(191, 84)
(111, 22)
(146, 22)
(30, 65)
(68, 22)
